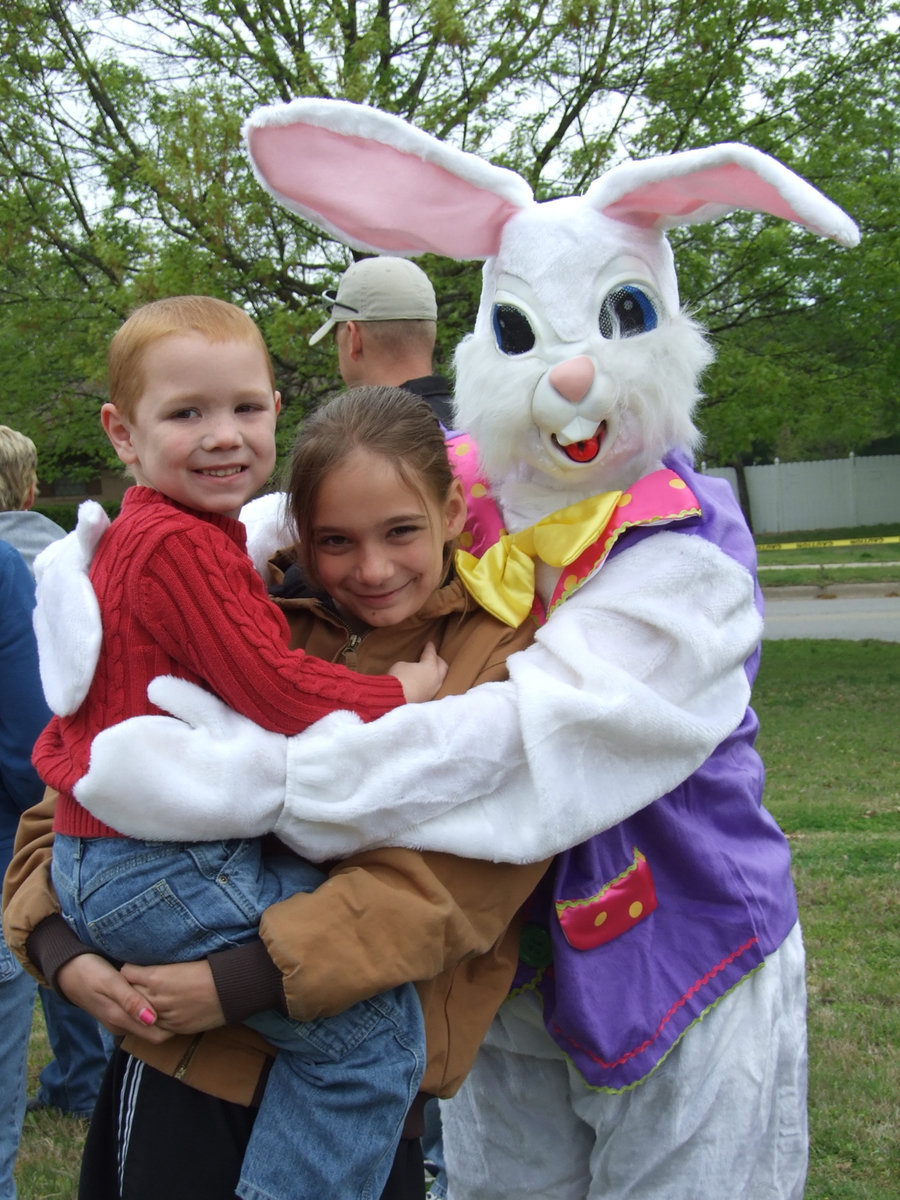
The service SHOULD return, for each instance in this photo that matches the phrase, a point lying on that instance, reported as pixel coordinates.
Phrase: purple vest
(632, 936)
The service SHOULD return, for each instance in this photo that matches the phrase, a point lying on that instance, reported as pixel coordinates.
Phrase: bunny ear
(701, 185)
(377, 183)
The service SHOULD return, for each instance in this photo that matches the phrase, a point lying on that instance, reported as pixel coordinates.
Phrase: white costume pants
(722, 1118)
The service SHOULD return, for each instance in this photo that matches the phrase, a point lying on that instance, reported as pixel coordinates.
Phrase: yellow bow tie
(502, 580)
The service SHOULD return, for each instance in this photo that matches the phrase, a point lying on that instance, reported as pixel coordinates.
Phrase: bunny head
(582, 370)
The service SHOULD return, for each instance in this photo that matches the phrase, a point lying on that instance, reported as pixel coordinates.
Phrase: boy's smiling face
(203, 429)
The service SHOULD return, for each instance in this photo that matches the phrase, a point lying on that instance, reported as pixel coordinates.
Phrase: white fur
(269, 528)
(557, 263)
(645, 390)
(67, 616)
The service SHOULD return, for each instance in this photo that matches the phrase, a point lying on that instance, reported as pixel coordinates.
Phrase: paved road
(848, 611)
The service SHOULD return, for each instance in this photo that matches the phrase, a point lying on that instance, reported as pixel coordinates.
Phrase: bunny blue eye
(512, 329)
(627, 311)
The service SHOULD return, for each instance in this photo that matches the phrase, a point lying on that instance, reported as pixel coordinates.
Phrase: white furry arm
(209, 774)
(67, 617)
(629, 687)
(269, 528)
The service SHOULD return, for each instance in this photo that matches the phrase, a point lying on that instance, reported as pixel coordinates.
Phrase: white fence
(833, 494)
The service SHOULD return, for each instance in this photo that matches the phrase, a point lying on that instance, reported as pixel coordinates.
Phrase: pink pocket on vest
(616, 908)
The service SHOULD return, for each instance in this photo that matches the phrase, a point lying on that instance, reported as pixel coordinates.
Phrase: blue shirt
(23, 709)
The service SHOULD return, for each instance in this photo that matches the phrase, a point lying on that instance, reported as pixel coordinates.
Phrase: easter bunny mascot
(654, 1045)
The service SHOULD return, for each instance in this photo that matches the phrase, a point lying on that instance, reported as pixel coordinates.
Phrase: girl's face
(378, 545)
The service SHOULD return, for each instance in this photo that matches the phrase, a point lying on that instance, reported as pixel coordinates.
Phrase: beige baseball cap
(380, 289)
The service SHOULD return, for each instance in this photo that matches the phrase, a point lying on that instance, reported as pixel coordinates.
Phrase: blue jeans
(433, 1148)
(17, 991)
(81, 1048)
(343, 1083)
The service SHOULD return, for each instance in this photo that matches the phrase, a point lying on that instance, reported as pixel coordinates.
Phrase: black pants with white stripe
(153, 1138)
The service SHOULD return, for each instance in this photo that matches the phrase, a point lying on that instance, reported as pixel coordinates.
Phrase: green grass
(825, 577)
(50, 1149)
(828, 712)
(822, 566)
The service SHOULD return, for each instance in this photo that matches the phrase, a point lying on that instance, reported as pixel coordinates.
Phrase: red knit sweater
(179, 596)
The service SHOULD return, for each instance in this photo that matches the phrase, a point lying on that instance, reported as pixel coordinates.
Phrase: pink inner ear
(377, 195)
(730, 184)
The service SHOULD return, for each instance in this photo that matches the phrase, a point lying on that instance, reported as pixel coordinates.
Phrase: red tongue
(582, 451)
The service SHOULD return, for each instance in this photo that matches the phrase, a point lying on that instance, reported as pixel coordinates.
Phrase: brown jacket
(383, 917)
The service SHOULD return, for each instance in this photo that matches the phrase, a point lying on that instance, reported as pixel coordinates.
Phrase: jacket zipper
(350, 647)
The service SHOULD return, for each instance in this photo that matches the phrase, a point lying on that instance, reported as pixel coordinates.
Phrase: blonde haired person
(18, 469)
(28, 531)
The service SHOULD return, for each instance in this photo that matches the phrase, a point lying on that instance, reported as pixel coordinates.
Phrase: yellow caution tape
(870, 541)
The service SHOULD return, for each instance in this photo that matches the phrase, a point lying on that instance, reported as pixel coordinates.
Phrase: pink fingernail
(147, 1015)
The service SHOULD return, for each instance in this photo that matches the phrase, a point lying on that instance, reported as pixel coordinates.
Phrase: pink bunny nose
(573, 378)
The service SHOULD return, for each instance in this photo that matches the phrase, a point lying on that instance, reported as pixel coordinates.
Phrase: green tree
(122, 177)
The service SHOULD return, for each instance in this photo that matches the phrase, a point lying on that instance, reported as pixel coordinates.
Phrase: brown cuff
(247, 981)
(50, 945)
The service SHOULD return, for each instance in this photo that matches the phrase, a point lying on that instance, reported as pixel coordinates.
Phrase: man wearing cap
(384, 315)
